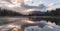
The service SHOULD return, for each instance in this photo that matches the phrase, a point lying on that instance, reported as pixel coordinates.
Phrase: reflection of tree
(5, 21)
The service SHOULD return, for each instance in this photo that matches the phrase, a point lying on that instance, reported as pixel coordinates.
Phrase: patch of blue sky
(38, 2)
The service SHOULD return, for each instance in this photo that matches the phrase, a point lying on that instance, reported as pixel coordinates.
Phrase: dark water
(57, 21)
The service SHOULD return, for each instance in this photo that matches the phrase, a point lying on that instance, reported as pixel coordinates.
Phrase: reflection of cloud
(21, 21)
(48, 26)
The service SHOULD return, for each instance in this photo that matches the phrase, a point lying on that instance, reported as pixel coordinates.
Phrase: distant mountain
(37, 9)
(37, 13)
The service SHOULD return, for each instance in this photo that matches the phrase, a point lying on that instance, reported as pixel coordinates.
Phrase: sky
(37, 2)
(19, 5)
(51, 4)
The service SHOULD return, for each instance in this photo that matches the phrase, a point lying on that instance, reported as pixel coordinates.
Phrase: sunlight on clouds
(18, 5)
(29, 10)
(12, 3)
(53, 6)
(27, 0)
(50, 5)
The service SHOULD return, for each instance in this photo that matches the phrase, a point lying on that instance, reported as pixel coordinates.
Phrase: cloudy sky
(18, 5)
(37, 2)
(51, 4)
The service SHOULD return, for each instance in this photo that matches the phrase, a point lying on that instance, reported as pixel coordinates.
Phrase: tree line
(5, 12)
(48, 13)
(54, 12)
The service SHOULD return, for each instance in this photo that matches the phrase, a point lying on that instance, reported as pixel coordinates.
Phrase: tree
(5, 12)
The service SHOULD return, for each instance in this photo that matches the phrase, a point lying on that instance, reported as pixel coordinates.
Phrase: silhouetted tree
(5, 12)
(54, 12)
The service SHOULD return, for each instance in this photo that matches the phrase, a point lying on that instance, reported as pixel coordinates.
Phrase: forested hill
(5, 12)
(54, 12)
(48, 13)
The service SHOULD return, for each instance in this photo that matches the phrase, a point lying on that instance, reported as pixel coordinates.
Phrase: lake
(15, 23)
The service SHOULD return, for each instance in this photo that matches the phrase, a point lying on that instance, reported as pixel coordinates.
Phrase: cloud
(18, 6)
(21, 7)
(50, 5)
(53, 6)
(27, 0)
(12, 3)
(33, 2)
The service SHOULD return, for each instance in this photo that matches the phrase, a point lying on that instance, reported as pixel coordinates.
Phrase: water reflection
(20, 23)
